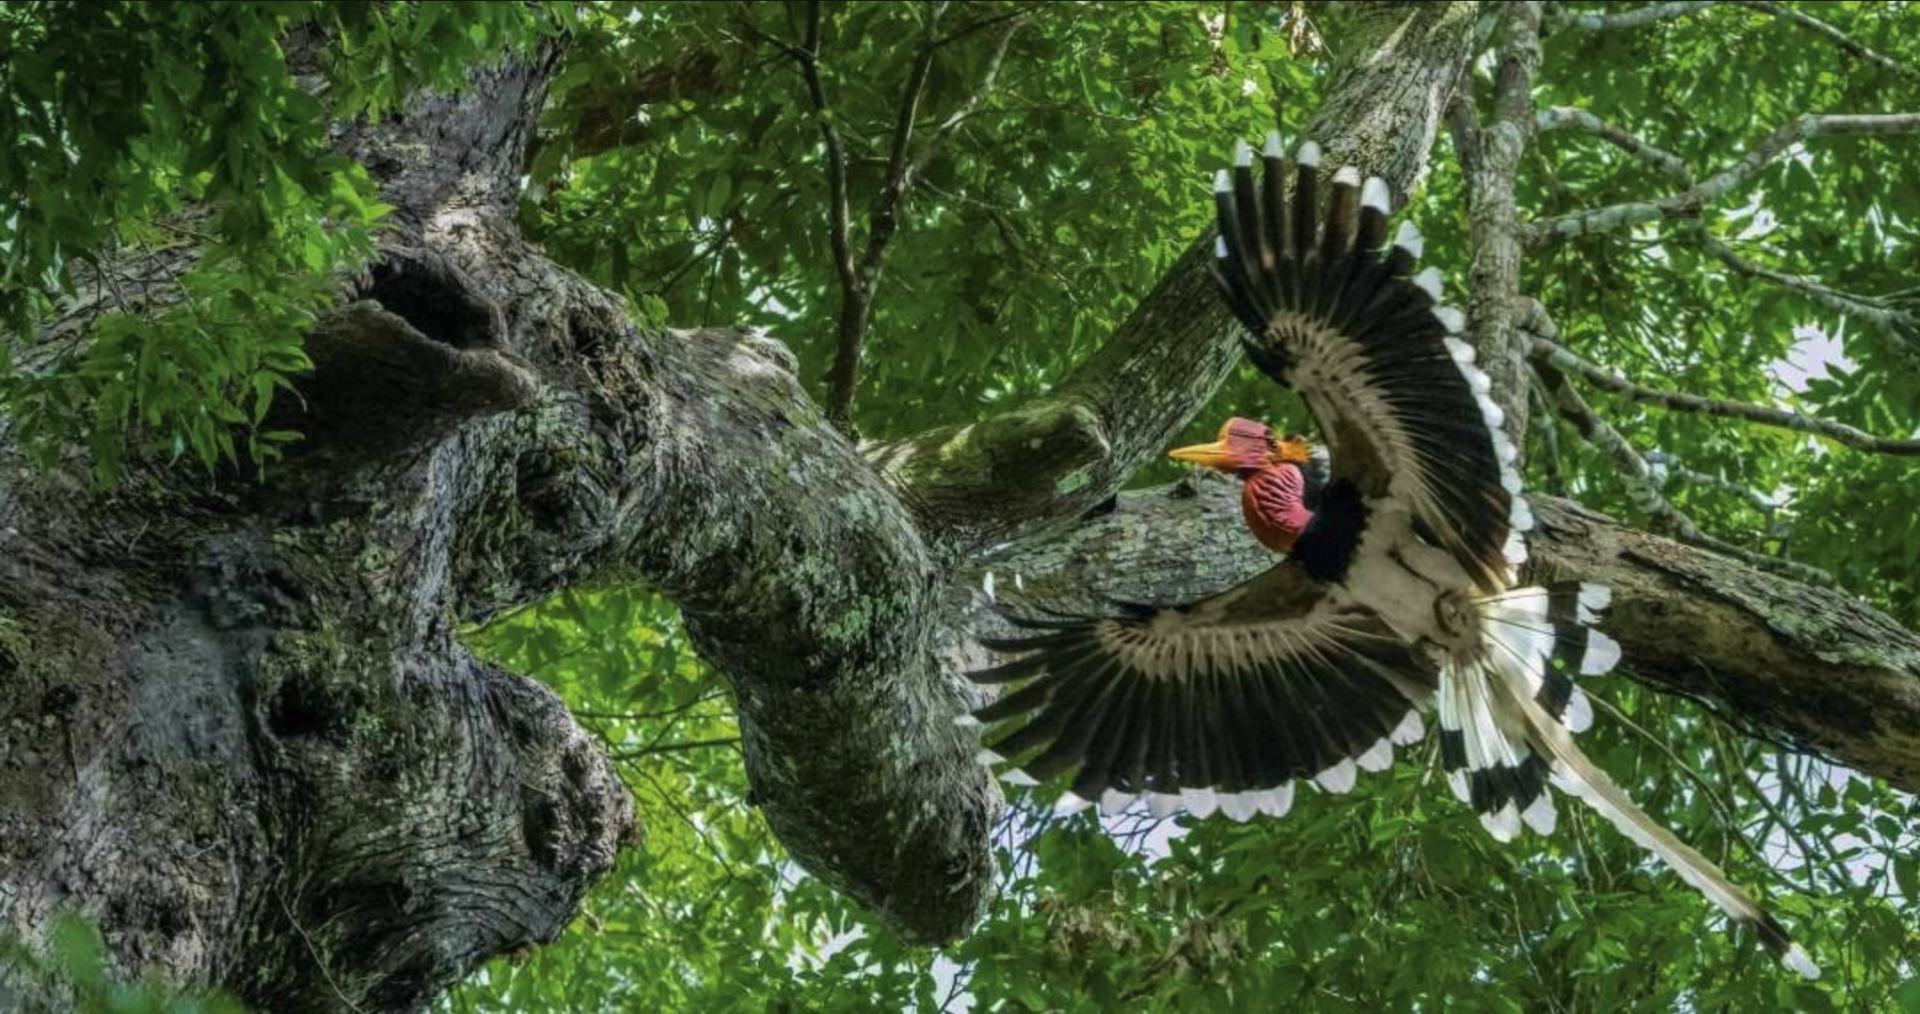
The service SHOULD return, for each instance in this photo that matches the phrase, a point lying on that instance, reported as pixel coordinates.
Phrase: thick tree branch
(1562, 358)
(1639, 17)
(1048, 462)
(1690, 202)
(1809, 666)
(1494, 280)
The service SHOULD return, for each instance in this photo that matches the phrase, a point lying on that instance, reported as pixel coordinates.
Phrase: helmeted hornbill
(1396, 592)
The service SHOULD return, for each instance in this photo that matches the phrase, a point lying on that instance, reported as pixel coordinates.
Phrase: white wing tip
(1428, 282)
(1277, 802)
(1273, 149)
(1515, 549)
(1495, 416)
(1162, 805)
(1220, 247)
(1540, 814)
(1070, 804)
(1411, 730)
(1520, 515)
(967, 722)
(1338, 779)
(1578, 717)
(1410, 240)
(1452, 319)
(1798, 960)
(987, 759)
(1020, 778)
(1347, 176)
(1199, 802)
(1242, 155)
(1378, 757)
(1503, 824)
(1375, 194)
(1595, 598)
(1308, 155)
(1603, 653)
(1222, 183)
(1114, 801)
(1240, 807)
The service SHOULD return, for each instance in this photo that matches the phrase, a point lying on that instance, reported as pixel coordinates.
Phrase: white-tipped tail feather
(1507, 722)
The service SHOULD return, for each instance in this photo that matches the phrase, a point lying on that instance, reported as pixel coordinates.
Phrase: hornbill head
(1246, 448)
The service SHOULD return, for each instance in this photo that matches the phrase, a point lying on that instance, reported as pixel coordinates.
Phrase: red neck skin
(1274, 502)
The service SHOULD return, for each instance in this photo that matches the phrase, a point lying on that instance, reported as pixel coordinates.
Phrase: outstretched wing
(1340, 316)
(1225, 702)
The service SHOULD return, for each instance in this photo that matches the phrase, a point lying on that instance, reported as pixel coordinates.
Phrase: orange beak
(1216, 455)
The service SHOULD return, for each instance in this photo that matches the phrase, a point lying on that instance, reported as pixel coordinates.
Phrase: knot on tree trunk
(423, 351)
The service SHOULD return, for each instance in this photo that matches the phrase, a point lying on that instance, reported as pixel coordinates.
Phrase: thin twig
(657, 748)
(1670, 471)
(1645, 491)
(1689, 202)
(1892, 315)
(905, 164)
(1838, 37)
(985, 23)
(1888, 314)
(325, 970)
(1566, 117)
(1565, 359)
(1727, 816)
(641, 716)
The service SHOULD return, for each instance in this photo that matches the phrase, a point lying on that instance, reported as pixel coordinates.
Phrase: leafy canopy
(166, 173)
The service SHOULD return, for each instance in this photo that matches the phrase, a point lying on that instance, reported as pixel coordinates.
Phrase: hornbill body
(1396, 591)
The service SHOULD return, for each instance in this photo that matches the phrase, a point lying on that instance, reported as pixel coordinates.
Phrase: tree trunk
(241, 736)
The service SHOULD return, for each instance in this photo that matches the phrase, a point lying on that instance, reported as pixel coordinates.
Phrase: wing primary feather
(1305, 182)
(1342, 211)
(1273, 194)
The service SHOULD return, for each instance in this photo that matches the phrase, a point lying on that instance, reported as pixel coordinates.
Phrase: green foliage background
(679, 163)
